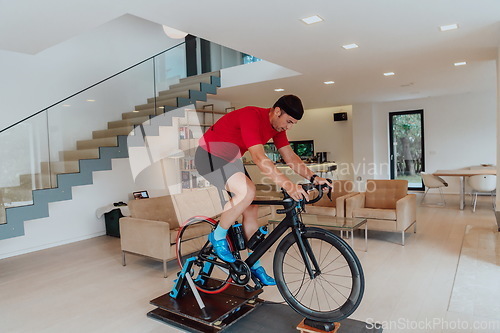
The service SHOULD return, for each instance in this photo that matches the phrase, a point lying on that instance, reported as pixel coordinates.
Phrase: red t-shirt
(232, 135)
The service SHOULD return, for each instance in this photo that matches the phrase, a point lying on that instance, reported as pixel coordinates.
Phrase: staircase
(57, 178)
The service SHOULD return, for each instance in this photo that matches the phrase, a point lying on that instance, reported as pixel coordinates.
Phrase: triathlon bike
(317, 273)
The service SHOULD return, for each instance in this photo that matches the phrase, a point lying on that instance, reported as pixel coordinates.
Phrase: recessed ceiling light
(462, 63)
(312, 19)
(350, 46)
(389, 74)
(329, 82)
(279, 89)
(91, 100)
(66, 105)
(448, 27)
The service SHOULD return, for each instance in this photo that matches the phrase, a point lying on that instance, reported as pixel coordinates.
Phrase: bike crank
(240, 272)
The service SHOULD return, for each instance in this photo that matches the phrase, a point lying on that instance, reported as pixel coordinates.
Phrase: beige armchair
(342, 189)
(386, 205)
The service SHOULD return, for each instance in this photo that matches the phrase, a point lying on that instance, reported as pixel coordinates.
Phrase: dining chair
(431, 181)
(482, 184)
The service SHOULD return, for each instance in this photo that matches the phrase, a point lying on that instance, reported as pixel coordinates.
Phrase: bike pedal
(258, 284)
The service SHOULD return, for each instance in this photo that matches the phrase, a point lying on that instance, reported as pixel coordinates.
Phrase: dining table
(463, 173)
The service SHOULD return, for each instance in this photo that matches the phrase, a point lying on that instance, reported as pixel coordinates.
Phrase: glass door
(406, 131)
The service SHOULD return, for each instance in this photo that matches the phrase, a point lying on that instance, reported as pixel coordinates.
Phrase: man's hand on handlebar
(296, 191)
(323, 181)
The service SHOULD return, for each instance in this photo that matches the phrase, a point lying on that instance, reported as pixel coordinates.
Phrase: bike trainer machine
(184, 308)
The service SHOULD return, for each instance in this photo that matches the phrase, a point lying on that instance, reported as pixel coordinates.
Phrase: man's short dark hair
(292, 105)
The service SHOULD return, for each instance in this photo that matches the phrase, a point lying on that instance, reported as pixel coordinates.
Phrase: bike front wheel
(337, 286)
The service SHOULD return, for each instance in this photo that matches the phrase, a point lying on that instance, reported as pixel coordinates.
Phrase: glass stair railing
(59, 147)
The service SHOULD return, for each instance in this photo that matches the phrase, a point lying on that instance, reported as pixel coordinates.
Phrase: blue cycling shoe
(221, 248)
(260, 273)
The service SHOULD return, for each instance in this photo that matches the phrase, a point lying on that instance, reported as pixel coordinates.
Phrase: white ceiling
(400, 36)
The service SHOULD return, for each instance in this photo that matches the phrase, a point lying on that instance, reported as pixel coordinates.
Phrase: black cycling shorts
(215, 169)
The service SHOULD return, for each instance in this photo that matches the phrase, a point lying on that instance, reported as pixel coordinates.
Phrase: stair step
(184, 93)
(96, 143)
(37, 181)
(184, 83)
(60, 167)
(16, 194)
(128, 122)
(205, 77)
(112, 132)
(160, 102)
(75, 155)
(142, 113)
(181, 89)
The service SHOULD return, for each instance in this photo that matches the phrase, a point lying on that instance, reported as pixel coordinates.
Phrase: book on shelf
(188, 164)
(186, 179)
(185, 133)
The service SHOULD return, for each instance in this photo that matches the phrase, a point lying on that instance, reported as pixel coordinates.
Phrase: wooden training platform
(221, 310)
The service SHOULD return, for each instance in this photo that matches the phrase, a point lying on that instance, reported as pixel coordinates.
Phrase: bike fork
(307, 255)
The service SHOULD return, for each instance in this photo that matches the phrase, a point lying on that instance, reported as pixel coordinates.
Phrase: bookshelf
(197, 122)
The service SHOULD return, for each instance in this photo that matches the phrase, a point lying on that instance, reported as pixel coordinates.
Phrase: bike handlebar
(287, 200)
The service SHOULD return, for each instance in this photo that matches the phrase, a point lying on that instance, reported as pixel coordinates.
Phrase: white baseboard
(50, 245)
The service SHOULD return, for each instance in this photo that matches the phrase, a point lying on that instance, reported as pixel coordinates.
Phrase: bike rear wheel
(192, 241)
(337, 288)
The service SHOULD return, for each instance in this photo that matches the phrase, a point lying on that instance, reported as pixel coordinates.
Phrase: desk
(462, 173)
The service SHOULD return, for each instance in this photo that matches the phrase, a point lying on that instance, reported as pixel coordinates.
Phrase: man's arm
(268, 169)
(298, 166)
(294, 162)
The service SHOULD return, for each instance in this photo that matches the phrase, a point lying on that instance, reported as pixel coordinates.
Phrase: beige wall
(332, 137)
(460, 131)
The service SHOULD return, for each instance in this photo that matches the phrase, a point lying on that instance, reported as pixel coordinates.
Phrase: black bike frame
(292, 221)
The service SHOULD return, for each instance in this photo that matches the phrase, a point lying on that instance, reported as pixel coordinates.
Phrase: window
(406, 131)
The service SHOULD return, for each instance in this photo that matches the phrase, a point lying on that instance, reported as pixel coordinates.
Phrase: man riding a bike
(218, 159)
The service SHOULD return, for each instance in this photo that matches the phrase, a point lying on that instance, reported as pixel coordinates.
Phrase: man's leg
(243, 193)
(250, 226)
(243, 190)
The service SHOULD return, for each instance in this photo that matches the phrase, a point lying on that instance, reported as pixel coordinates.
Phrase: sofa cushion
(156, 209)
(192, 232)
(373, 213)
(318, 210)
(197, 202)
(385, 193)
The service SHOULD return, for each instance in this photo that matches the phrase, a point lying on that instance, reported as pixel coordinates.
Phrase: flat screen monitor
(304, 149)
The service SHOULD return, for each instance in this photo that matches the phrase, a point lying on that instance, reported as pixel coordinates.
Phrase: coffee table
(335, 223)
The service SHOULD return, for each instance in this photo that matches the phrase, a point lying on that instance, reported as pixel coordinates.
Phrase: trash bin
(111, 220)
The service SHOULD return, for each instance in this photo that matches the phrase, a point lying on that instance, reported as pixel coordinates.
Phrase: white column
(497, 213)
(363, 142)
